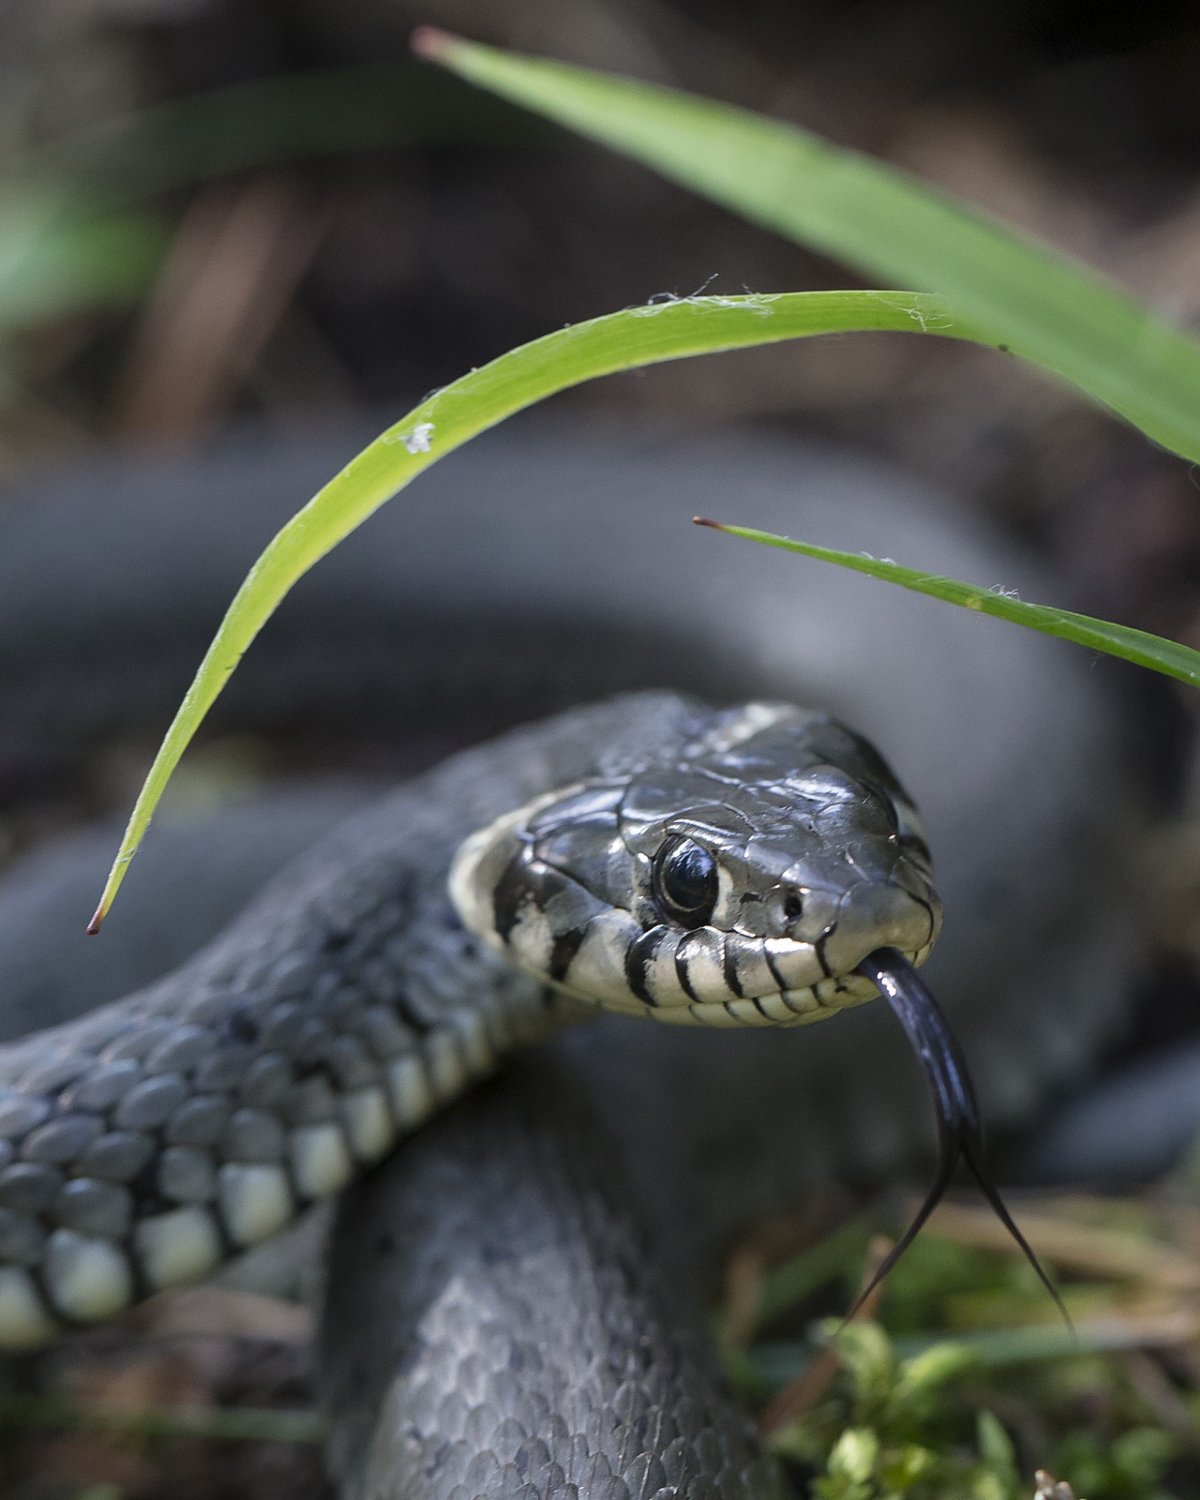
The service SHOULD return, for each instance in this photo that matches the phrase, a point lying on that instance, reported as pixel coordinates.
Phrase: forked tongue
(960, 1134)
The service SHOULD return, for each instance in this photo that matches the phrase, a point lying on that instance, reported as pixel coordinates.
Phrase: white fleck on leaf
(420, 439)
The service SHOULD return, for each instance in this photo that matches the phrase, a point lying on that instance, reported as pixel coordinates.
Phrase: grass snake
(349, 1003)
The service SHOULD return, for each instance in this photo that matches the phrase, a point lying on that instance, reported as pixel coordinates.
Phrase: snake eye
(685, 881)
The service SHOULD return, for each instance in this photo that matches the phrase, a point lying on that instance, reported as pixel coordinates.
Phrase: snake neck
(146, 1144)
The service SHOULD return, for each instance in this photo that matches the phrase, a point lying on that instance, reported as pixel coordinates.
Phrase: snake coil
(149, 1140)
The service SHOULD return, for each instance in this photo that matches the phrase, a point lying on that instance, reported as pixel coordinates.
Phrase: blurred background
(215, 212)
(212, 211)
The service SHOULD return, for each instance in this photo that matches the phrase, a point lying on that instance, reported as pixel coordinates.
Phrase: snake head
(739, 881)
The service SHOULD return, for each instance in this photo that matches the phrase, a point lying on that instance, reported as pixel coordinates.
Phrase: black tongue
(960, 1134)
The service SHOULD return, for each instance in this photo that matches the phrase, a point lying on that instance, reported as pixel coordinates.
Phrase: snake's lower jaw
(730, 979)
(567, 892)
(684, 978)
(793, 1006)
(703, 976)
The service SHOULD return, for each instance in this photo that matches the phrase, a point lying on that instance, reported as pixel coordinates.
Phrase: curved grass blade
(626, 340)
(1024, 296)
(261, 122)
(1137, 646)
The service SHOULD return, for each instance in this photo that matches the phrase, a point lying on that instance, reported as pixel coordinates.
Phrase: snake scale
(151, 1138)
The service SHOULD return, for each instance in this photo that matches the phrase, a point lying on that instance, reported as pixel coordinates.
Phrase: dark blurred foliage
(322, 278)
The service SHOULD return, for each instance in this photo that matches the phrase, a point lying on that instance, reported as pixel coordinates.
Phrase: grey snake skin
(1028, 864)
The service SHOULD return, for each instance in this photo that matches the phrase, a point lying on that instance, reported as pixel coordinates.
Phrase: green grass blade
(262, 122)
(1137, 646)
(1051, 310)
(626, 340)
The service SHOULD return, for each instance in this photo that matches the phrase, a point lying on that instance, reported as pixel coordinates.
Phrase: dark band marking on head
(638, 958)
(729, 966)
(681, 973)
(819, 949)
(775, 974)
(509, 895)
(562, 954)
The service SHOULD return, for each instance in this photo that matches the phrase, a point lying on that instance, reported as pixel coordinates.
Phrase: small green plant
(919, 1413)
(887, 1430)
(921, 1428)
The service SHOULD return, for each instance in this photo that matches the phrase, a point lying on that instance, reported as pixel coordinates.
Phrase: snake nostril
(793, 906)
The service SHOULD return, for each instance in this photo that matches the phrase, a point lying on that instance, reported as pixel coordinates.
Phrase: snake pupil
(685, 881)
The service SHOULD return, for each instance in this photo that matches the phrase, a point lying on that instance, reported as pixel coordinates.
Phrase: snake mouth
(959, 1128)
(781, 1003)
(728, 979)
(750, 908)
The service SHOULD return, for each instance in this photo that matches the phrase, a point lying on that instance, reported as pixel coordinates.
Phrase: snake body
(148, 1140)
(145, 1142)
(527, 1338)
